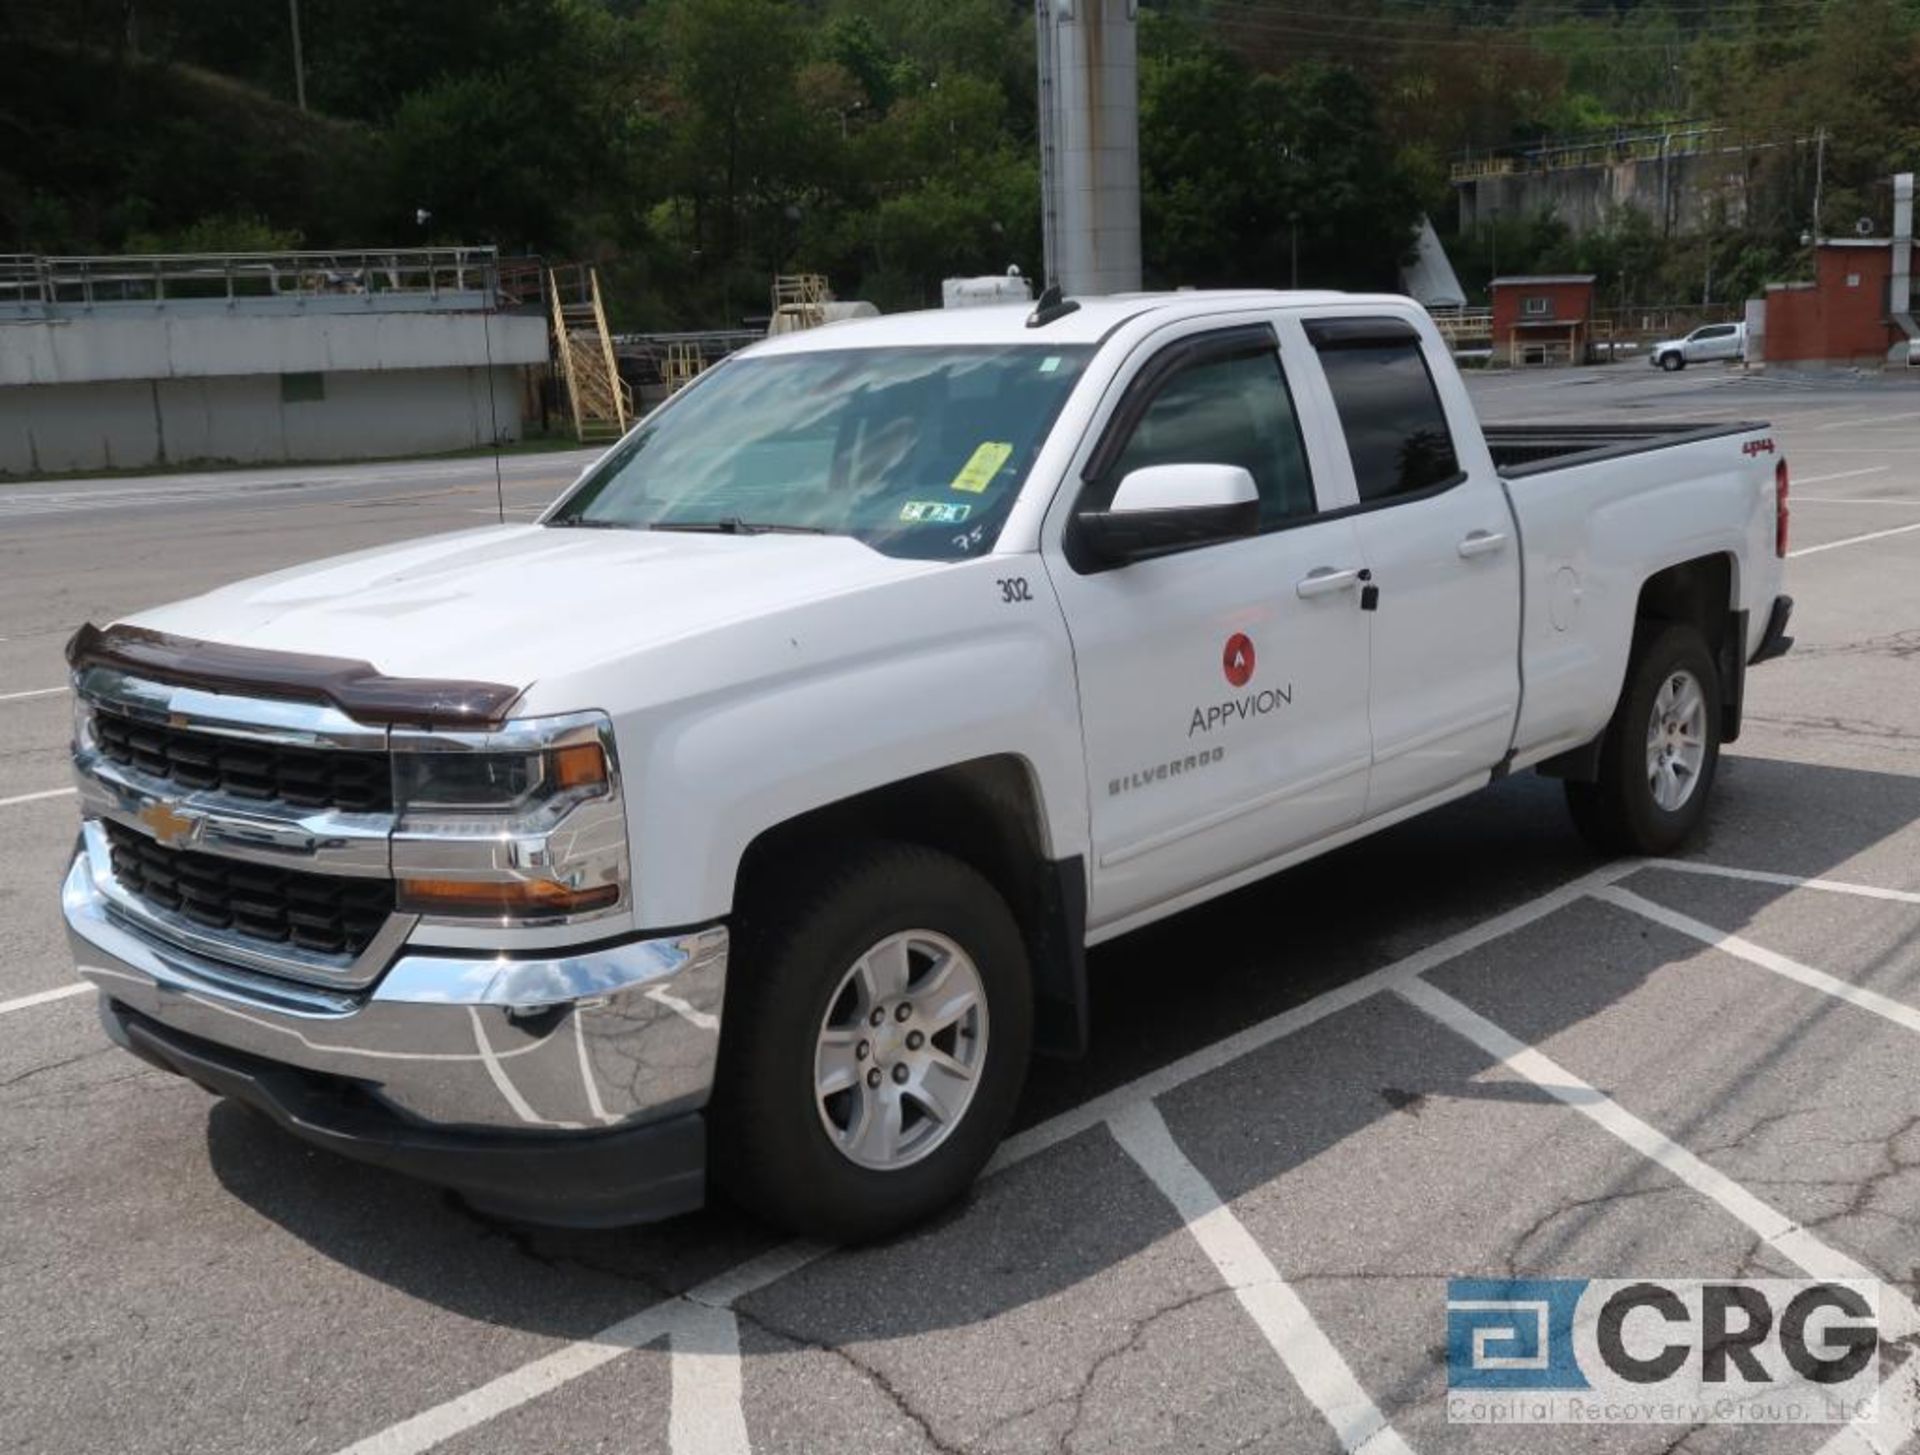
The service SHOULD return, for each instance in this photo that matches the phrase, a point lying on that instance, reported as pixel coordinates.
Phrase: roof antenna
(1052, 305)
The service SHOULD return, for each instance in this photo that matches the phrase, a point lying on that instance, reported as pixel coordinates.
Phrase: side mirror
(1166, 508)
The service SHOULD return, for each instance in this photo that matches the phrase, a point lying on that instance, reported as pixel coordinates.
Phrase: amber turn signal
(582, 765)
(513, 898)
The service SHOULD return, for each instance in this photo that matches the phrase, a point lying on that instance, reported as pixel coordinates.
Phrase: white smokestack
(1090, 143)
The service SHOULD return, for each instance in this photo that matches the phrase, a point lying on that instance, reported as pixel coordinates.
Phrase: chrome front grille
(321, 914)
(250, 769)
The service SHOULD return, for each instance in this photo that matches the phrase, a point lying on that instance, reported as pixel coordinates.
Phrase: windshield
(916, 451)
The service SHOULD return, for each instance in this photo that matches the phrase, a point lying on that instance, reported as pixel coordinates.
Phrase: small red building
(1843, 316)
(1543, 320)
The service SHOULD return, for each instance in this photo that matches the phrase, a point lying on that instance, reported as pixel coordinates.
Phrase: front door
(1223, 690)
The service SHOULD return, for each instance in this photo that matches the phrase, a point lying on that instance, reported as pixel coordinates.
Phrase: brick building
(1543, 320)
(1843, 316)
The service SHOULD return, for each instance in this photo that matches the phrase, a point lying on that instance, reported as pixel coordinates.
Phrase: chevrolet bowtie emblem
(168, 825)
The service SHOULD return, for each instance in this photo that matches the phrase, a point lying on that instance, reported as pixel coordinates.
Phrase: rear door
(1719, 341)
(1439, 540)
(1223, 701)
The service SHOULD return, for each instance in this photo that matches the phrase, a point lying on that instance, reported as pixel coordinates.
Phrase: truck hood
(514, 604)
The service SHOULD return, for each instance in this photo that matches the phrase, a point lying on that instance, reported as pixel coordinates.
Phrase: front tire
(1673, 363)
(1661, 751)
(875, 1042)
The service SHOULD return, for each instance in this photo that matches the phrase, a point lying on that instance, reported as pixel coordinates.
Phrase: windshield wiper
(733, 525)
(581, 522)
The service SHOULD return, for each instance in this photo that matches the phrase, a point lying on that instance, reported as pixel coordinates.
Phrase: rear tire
(1661, 750)
(896, 931)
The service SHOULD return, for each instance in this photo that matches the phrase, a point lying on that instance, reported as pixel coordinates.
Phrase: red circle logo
(1238, 659)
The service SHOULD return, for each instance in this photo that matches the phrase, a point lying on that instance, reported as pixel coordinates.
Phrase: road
(1464, 1047)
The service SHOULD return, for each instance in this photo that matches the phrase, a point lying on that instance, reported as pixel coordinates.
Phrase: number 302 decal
(1013, 589)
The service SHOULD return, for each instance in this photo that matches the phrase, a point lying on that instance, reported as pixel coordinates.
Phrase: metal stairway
(602, 402)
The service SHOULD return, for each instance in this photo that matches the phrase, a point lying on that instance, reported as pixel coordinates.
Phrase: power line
(1511, 34)
(1524, 15)
(1267, 20)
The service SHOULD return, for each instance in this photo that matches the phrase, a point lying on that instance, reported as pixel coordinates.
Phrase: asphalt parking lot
(1466, 1047)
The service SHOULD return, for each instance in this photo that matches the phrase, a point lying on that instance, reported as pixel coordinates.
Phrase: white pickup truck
(750, 814)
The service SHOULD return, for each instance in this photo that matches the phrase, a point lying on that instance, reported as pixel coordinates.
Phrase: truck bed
(1520, 450)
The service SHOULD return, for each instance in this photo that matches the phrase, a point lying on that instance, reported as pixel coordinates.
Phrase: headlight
(524, 825)
(486, 782)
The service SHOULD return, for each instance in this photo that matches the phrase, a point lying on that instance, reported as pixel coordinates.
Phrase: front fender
(956, 674)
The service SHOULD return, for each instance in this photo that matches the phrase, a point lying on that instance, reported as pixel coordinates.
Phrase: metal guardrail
(1642, 144)
(160, 277)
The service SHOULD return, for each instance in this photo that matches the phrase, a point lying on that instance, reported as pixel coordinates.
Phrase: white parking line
(511, 1390)
(1878, 535)
(45, 997)
(517, 1387)
(1857, 422)
(708, 1413)
(1899, 1318)
(36, 692)
(36, 797)
(1868, 1000)
(1790, 881)
(1175, 1074)
(1305, 1350)
(1840, 475)
(544, 1375)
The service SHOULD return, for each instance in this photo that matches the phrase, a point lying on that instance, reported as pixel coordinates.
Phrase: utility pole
(1819, 176)
(299, 63)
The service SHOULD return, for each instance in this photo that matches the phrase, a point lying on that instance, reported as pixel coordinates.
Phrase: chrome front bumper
(570, 1042)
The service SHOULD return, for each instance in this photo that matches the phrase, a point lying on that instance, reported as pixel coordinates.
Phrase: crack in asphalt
(1137, 1332)
(1901, 646)
(32, 1072)
(873, 1375)
(524, 1240)
(1141, 1330)
(1562, 1209)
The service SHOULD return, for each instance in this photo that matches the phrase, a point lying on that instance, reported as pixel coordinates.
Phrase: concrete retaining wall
(1680, 194)
(254, 418)
(194, 340)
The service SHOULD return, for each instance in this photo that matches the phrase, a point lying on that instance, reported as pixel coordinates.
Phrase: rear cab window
(1389, 407)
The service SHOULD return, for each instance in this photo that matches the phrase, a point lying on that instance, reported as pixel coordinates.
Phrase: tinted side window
(1231, 411)
(1396, 430)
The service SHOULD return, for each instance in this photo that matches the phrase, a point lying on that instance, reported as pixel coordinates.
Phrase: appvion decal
(1240, 709)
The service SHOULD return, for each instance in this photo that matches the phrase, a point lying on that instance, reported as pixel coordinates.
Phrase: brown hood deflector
(356, 688)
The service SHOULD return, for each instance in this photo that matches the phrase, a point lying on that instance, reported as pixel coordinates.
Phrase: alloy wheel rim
(1676, 740)
(900, 1050)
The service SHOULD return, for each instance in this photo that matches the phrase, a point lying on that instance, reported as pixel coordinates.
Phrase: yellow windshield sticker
(977, 474)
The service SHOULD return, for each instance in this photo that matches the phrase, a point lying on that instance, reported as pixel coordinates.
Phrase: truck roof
(1007, 323)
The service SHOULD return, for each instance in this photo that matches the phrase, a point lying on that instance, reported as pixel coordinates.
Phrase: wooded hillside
(695, 147)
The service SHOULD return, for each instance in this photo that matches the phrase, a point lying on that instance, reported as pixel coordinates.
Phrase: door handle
(1325, 580)
(1482, 543)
